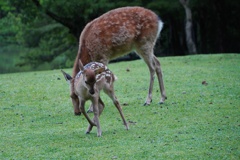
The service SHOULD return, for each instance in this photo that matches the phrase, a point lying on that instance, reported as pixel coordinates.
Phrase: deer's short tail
(160, 26)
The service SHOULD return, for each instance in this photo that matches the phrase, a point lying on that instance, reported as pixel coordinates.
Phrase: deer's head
(84, 82)
(89, 76)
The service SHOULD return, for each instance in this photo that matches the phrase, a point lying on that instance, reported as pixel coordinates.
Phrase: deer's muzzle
(91, 91)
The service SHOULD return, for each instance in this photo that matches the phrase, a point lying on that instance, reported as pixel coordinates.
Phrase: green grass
(196, 121)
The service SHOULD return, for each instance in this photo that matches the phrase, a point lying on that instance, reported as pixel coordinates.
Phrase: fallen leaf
(204, 83)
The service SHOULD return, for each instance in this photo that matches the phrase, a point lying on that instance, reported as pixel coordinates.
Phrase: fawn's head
(86, 76)
(89, 77)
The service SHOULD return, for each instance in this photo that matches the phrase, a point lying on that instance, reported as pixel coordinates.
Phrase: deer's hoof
(89, 111)
(162, 100)
(146, 104)
(77, 113)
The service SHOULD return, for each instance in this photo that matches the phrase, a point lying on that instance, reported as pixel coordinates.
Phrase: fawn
(90, 80)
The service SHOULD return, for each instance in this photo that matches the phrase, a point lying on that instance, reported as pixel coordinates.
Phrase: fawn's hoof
(89, 111)
(77, 113)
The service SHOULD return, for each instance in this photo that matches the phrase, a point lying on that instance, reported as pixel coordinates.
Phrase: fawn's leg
(82, 109)
(110, 93)
(96, 116)
(100, 105)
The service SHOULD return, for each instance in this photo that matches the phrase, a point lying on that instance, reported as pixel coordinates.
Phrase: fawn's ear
(80, 65)
(99, 70)
(66, 76)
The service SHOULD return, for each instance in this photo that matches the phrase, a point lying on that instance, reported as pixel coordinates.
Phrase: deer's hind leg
(160, 80)
(110, 92)
(100, 106)
(146, 52)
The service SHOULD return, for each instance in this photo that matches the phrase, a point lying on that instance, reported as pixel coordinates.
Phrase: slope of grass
(197, 121)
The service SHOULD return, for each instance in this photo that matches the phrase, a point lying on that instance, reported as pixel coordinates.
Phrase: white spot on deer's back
(98, 76)
(122, 35)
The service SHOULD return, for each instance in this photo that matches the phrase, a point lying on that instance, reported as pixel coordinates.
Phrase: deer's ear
(80, 65)
(99, 70)
(66, 76)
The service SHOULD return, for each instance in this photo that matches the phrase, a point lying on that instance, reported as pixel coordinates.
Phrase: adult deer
(116, 33)
(90, 80)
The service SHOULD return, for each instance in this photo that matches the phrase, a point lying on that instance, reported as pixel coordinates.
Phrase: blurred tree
(50, 29)
(172, 37)
(216, 25)
(188, 27)
(75, 14)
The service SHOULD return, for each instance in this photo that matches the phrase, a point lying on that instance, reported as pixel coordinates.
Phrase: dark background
(43, 34)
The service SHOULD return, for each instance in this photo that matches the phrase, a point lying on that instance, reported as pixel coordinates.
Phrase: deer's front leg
(82, 109)
(96, 115)
(100, 107)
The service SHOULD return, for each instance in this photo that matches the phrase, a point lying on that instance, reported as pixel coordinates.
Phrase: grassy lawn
(197, 121)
